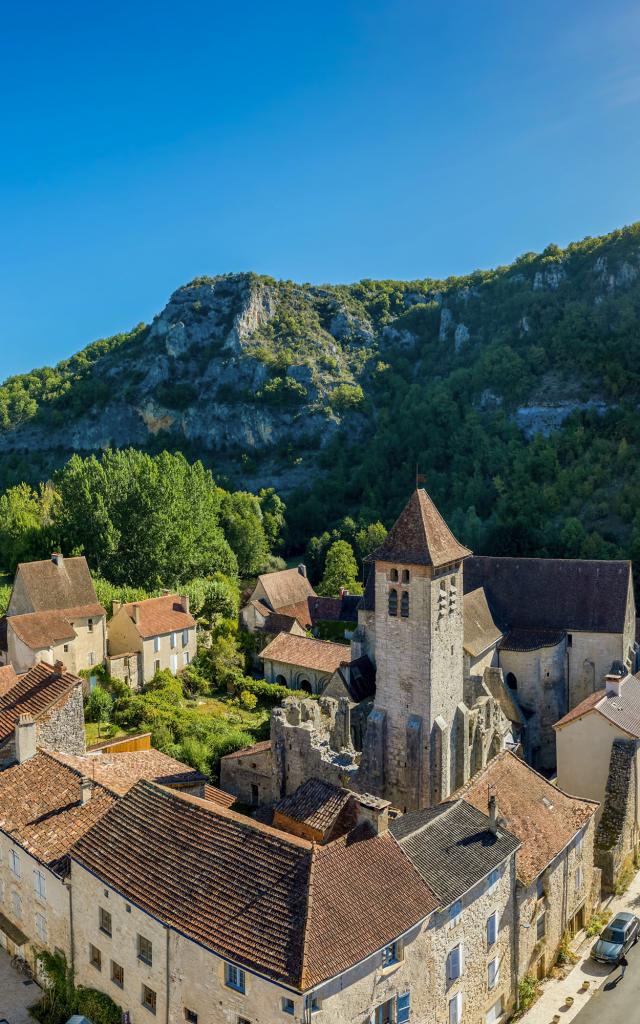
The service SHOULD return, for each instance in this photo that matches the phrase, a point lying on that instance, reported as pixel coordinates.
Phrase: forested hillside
(514, 390)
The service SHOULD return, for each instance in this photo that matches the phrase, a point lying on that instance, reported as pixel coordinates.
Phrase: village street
(15, 996)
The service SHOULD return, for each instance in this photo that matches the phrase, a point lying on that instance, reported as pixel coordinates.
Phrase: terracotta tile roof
(540, 815)
(255, 748)
(452, 847)
(531, 639)
(251, 894)
(299, 611)
(552, 593)
(480, 631)
(420, 536)
(51, 587)
(41, 630)
(286, 587)
(35, 693)
(306, 652)
(8, 678)
(218, 796)
(159, 615)
(40, 808)
(315, 803)
(622, 709)
(120, 771)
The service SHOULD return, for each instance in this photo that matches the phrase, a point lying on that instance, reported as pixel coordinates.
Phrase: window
(16, 905)
(288, 1005)
(579, 877)
(492, 879)
(92, 658)
(95, 957)
(145, 950)
(174, 639)
(39, 884)
(455, 912)
(569, 640)
(541, 927)
(148, 999)
(65, 648)
(540, 887)
(390, 955)
(90, 625)
(454, 963)
(511, 681)
(404, 604)
(393, 602)
(495, 1013)
(403, 1008)
(312, 1003)
(190, 1016)
(492, 929)
(384, 1014)
(255, 793)
(579, 845)
(156, 644)
(14, 863)
(185, 637)
(455, 1009)
(405, 576)
(234, 977)
(186, 657)
(41, 927)
(156, 665)
(117, 974)
(493, 973)
(393, 575)
(104, 921)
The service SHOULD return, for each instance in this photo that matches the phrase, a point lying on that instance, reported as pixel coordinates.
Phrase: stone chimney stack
(493, 814)
(25, 738)
(374, 810)
(116, 606)
(612, 685)
(184, 601)
(302, 569)
(86, 788)
(58, 559)
(59, 668)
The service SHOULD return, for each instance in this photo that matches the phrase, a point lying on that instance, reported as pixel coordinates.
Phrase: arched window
(394, 575)
(305, 685)
(281, 681)
(393, 602)
(405, 575)
(511, 681)
(404, 604)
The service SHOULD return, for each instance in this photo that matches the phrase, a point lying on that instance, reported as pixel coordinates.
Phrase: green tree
(340, 570)
(273, 516)
(241, 520)
(23, 524)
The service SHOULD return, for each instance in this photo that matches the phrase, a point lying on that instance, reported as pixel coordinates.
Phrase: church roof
(480, 631)
(420, 536)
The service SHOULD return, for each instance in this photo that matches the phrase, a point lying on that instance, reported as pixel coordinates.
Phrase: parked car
(617, 939)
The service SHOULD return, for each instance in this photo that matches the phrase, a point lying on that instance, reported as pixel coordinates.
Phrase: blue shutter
(403, 1008)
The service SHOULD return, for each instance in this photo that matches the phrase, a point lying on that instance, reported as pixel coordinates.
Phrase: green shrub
(528, 991)
(248, 700)
(597, 922)
(97, 1006)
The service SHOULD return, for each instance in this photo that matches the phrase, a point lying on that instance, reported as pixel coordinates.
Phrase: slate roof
(8, 678)
(452, 847)
(531, 639)
(41, 630)
(480, 631)
(420, 536)
(552, 593)
(120, 771)
(158, 615)
(51, 587)
(315, 803)
(35, 693)
(286, 587)
(306, 652)
(40, 808)
(251, 894)
(541, 816)
(621, 709)
(359, 678)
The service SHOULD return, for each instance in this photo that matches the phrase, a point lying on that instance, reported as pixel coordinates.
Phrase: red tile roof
(541, 816)
(35, 693)
(420, 536)
(255, 748)
(315, 803)
(218, 796)
(120, 771)
(321, 655)
(41, 630)
(251, 894)
(286, 587)
(158, 615)
(621, 708)
(588, 704)
(8, 678)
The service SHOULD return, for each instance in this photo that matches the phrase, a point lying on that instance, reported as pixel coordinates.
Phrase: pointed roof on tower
(420, 536)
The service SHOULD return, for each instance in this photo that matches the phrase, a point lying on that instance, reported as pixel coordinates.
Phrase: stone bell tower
(409, 755)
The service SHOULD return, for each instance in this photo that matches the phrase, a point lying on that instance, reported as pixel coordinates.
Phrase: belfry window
(393, 575)
(393, 602)
(405, 575)
(404, 604)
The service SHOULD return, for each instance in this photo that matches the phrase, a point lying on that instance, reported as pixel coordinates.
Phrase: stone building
(43, 709)
(148, 636)
(54, 615)
(286, 592)
(558, 886)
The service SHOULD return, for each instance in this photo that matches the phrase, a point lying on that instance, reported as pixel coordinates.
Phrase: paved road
(619, 998)
(15, 996)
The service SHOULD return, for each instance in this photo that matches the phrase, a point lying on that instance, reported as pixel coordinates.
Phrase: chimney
(59, 668)
(374, 810)
(58, 559)
(612, 685)
(136, 613)
(302, 569)
(25, 738)
(493, 815)
(166, 592)
(86, 788)
(115, 606)
(184, 601)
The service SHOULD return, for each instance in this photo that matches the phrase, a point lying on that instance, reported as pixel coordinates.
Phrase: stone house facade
(157, 634)
(50, 699)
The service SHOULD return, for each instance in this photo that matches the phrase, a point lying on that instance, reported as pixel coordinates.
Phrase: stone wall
(249, 777)
(296, 678)
(617, 835)
(542, 692)
(62, 728)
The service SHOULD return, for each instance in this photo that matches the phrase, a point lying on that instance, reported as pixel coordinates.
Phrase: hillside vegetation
(514, 391)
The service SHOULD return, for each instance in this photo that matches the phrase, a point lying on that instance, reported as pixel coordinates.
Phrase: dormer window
(393, 602)
(404, 604)
(393, 575)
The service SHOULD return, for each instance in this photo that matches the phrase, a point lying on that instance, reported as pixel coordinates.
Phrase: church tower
(409, 755)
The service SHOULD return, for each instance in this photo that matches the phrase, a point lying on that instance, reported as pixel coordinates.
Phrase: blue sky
(143, 144)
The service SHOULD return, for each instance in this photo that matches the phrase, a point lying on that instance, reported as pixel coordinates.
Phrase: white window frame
(455, 1009)
(492, 917)
(185, 637)
(14, 864)
(493, 973)
(173, 641)
(41, 927)
(39, 884)
(459, 950)
(156, 645)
